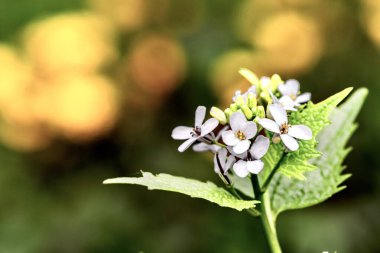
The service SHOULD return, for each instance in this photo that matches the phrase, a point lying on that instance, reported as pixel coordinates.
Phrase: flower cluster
(241, 135)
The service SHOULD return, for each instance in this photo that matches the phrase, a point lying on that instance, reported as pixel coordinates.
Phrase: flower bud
(249, 75)
(276, 139)
(260, 111)
(218, 114)
(247, 112)
(228, 112)
(239, 101)
(275, 82)
(251, 101)
(234, 107)
(265, 95)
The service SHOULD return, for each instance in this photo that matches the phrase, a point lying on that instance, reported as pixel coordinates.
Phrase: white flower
(240, 134)
(286, 131)
(198, 132)
(289, 92)
(253, 164)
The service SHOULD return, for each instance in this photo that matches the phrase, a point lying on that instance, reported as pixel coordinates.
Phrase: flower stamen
(240, 135)
(284, 128)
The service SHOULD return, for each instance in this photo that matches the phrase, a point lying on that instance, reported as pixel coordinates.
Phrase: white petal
(229, 138)
(303, 98)
(278, 114)
(230, 161)
(182, 133)
(240, 168)
(259, 147)
(255, 166)
(241, 147)
(282, 89)
(216, 165)
(270, 125)
(292, 87)
(289, 142)
(202, 147)
(237, 121)
(200, 114)
(222, 154)
(241, 156)
(265, 81)
(286, 101)
(249, 130)
(300, 132)
(209, 126)
(186, 144)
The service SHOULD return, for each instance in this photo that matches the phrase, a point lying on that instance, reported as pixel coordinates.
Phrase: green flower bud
(234, 107)
(247, 112)
(276, 139)
(251, 101)
(260, 111)
(228, 112)
(266, 96)
(239, 101)
(219, 115)
(249, 75)
(275, 82)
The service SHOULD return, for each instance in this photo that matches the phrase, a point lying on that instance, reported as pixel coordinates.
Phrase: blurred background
(92, 89)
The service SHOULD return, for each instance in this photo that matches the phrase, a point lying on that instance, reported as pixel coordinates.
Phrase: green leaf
(326, 180)
(295, 164)
(191, 187)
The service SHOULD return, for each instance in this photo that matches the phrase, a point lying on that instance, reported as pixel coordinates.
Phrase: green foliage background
(54, 201)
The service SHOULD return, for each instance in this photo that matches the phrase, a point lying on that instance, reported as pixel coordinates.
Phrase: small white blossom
(285, 102)
(289, 92)
(240, 134)
(252, 163)
(199, 131)
(287, 132)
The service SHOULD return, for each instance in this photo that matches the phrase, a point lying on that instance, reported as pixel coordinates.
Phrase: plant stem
(269, 224)
(267, 219)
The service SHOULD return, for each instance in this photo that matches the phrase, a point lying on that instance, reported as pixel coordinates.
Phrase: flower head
(289, 92)
(199, 131)
(287, 132)
(252, 162)
(240, 134)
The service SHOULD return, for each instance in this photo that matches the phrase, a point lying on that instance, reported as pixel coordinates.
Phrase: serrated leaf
(326, 180)
(295, 164)
(190, 187)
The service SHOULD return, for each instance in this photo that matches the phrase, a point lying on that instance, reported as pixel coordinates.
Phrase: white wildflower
(252, 163)
(289, 92)
(200, 131)
(287, 132)
(240, 134)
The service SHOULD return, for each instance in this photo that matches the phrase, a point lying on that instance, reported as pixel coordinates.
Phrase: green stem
(219, 144)
(267, 218)
(269, 224)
